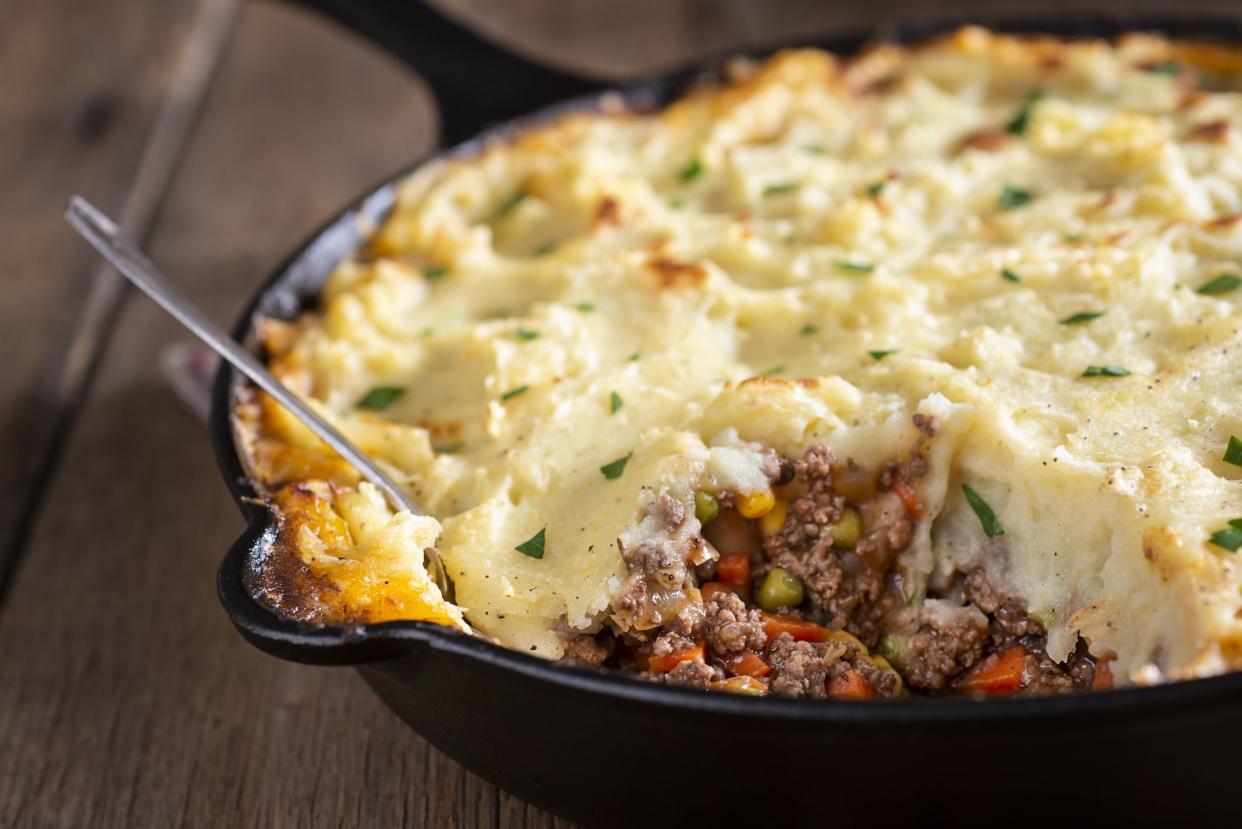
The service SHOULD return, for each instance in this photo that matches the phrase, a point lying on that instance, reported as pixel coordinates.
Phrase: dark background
(222, 132)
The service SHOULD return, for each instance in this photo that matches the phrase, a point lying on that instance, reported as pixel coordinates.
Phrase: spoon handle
(125, 256)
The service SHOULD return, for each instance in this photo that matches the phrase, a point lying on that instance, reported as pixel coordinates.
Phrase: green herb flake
(435, 272)
(380, 398)
(613, 470)
(543, 250)
(585, 307)
(876, 189)
(533, 546)
(779, 188)
(991, 527)
(512, 393)
(1106, 371)
(855, 267)
(691, 171)
(1074, 238)
(1010, 276)
(1018, 125)
(1230, 539)
(1013, 197)
(526, 334)
(808, 329)
(880, 355)
(634, 357)
(1222, 284)
(779, 368)
(450, 449)
(1168, 68)
(1081, 317)
(509, 204)
(814, 149)
(1233, 452)
(676, 204)
(614, 403)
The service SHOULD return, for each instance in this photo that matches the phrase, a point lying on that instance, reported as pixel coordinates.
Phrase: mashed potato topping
(1030, 241)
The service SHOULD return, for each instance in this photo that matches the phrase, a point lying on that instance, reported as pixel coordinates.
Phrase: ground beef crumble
(947, 643)
(731, 628)
(802, 669)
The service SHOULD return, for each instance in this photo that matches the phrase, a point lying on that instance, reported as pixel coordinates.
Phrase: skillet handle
(475, 82)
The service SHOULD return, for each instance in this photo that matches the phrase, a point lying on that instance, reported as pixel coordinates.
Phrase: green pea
(779, 590)
(848, 529)
(705, 507)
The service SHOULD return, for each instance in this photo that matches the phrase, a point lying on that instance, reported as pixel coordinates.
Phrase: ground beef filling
(804, 598)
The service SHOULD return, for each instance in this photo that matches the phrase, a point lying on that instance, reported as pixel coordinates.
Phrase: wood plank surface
(85, 89)
(126, 699)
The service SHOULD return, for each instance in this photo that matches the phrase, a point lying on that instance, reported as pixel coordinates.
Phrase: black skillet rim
(362, 644)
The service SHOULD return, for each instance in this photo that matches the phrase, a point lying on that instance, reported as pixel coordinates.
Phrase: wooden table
(223, 133)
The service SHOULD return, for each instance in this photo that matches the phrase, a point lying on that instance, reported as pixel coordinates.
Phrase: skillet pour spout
(578, 741)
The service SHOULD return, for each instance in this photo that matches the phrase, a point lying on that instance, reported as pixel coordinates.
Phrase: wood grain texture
(125, 696)
(85, 91)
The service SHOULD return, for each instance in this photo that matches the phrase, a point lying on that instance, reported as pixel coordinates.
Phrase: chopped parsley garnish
(779, 188)
(450, 449)
(526, 334)
(436, 272)
(380, 398)
(585, 307)
(1106, 371)
(1074, 238)
(1233, 452)
(613, 470)
(1081, 317)
(614, 403)
(1230, 539)
(779, 368)
(544, 249)
(1168, 67)
(991, 527)
(808, 329)
(510, 203)
(1013, 197)
(634, 357)
(533, 546)
(855, 267)
(1010, 276)
(691, 171)
(814, 149)
(1222, 284)
(676, 204)
(512, 393)
(1017, 126)
(875, 189)
(880, 355)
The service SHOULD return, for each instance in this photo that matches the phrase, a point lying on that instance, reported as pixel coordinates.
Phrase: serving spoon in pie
(124, 255)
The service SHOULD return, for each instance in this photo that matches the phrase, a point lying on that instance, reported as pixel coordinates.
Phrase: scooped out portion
(909, 373)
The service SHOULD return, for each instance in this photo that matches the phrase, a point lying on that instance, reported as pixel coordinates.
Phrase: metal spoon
(124, 255)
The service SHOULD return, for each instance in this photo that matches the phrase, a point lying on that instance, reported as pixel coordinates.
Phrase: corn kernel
(771, 523)
(756, 504)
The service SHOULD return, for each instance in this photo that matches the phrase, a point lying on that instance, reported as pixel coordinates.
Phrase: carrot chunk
(774, 624)
(1000, 673)
(747, 663)
(850, 685)
(669, 661)
(734, 569)
(909, 498)
(1103, 680)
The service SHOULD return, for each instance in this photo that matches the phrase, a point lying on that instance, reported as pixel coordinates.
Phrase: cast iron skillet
(603, 749)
